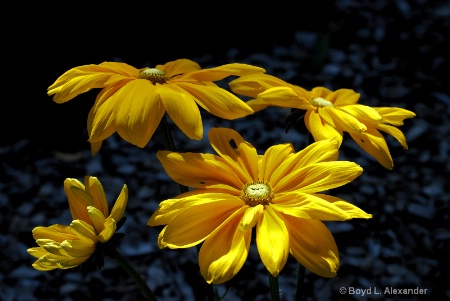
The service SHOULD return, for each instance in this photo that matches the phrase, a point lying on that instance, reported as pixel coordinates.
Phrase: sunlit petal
(272, 240)
(319, 129)
(95, 189)
(220, 72)
(286, 97)
(198, 170)
(224, 252)
(120, 204)
(313, 246)
(138, 112)
(374, 144)
(319, 177)
(218, 101)
(394, 116)
(394, 132)
(192, 225)
(309, 206)
(182, 109)
(226, 143)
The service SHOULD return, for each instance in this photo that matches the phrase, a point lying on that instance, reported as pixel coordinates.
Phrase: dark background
(395, 53)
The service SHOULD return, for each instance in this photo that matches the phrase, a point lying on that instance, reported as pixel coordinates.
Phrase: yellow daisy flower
(65, 247)
(329, 113)
(236, 190)
(133, 101)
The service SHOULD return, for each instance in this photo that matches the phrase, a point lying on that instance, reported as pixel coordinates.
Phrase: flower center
(320, 102)
(154, 75)
(255, 193)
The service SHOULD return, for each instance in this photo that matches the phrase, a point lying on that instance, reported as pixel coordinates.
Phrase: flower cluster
(65, 247)
(328, 113)
(280, 193)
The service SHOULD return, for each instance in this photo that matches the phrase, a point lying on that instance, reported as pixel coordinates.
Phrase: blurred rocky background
(395, 53)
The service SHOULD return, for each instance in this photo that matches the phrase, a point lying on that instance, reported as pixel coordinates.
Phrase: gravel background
(395, 53)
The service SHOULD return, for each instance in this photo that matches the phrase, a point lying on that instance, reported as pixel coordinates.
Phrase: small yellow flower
(133, 101)
(236, 190)
(65, 247)
(329, 113)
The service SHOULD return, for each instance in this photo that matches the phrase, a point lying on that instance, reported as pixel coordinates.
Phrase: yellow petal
(78, 199)
(274, 162)
(321, 151)
(309, 206)
(319, 177)
(170, 208)
(220, 72)
(56, 232)
(341, 120)
(100, 122)
(252, 85)
(394, 116)
(78, 248)
(217, 101)
(109, 230)
(257, 104)
(198, 170)
(37, 252)
(340, 97)
(182, 109)
(178, 67)
(395, 132)
(373, 143)
(319, 129)
(194, 224)
(84, 78)
(97, 218)
(224, 252)
(272, 240)
(95, 189)
(83, 230)
(313, 246)
(138, 111)
(226, 143)
(120, 204)
(361, 112)
(72, 262)
(349, 208)
(287, 97)
(251, 217)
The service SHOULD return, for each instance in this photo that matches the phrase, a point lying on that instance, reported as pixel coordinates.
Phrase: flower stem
(274, 289)
(133, 274)
(168, 142)
(299, 291)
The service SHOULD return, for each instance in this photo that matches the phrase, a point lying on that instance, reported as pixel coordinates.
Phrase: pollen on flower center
(320, 102)
(154, 75)
(255, 193)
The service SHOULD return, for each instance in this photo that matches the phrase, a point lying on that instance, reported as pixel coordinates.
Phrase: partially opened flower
(65, 247)
(329, 113)
(133, 101)
(277, 192)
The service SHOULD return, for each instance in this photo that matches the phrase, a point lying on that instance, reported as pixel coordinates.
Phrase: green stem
(133, 274)
(168, 142)
(274, 289)
(299, 291)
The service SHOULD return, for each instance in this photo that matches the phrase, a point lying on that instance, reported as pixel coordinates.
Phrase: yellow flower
(133, 101)
(65, 247)
(236, 190)
(329, 113)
